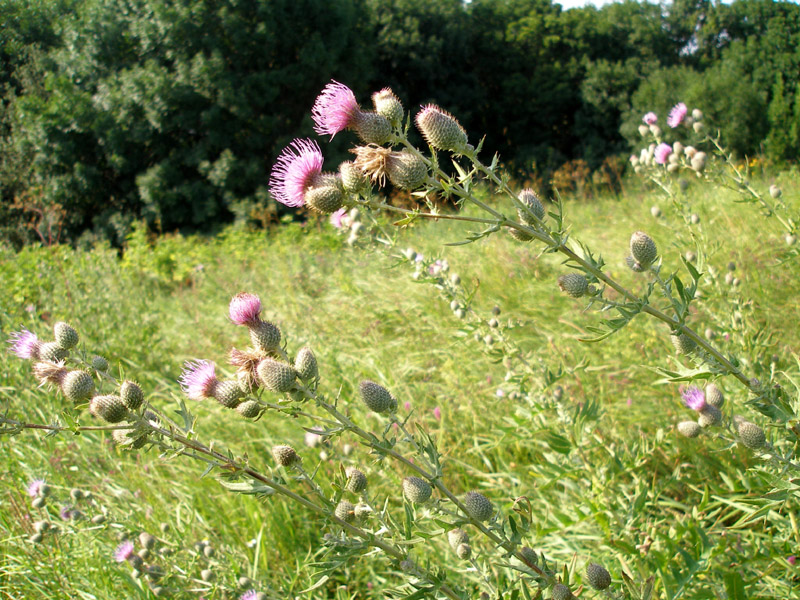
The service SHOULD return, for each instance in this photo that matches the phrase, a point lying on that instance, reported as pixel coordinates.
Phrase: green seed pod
(305, 363)
(643, 249)
(441, 129)
(345, 511)
(751, 435)
(354, 180)
(376, 397)
(573, 284)
(52, 352)
(478, 506)
(709, 416)
(529, 198)
(597, 576)
(561, 592)
(66, 336)
(249, 409)
(714, 396)
(688, 429)
(389, 106)
(265, 336)
(99, 364)
(417, 490)
(110, 408)
(131, 394)
(372, 128)
(228, 393)
(518, 235)
(464, 551)
(406, 171)
(285, 456)
(326, 198)
(456, 537)
(683, 343)
(356, 480)
(276, 376)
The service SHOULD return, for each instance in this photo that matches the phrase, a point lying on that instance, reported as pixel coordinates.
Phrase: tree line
(173, 111)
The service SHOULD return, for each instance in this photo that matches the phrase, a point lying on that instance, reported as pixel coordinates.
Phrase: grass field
(595, 453)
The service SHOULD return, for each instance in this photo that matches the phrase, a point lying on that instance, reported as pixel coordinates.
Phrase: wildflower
(650, 118)
(313, 439)
(339, 219)
(694, 398)
(388, 105)
(249, 595)
(296, 170)
(124, 551)
(198, 379)
(791, 560)
(244, 309)
(66, 336)
(441, 129)
(437, 413)
(662, 153)
(37, 487)
(334, 110)
(676, 115)
(24, 344)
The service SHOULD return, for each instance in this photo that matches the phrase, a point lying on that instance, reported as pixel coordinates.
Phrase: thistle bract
(228, 393)
(561, 592)
(714, 396)
(265, 336)
(689, 429)
(77, 385)
(456, 537)
(285, 456)
(249, 409)
(531, 200)
(345, 511)
(52, 352)
(372, 128)
(464, 552)
(305, 363)
(325, 195)
(131, 394)
(709, 416)
(406, 170)
(356, 480)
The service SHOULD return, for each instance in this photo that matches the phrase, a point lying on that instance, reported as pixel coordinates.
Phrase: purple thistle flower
(662, 153)
(694, 398)
(791, 560)
(65, 513)
(23, 343)
(676, 115)
(124, 551)
(249, 595)
(198, 379)
(437, 413)
(35, 487)
(334, 109)
(297, 167)
(244, 309)
(650, 118)
(339, 218)
(312, 440)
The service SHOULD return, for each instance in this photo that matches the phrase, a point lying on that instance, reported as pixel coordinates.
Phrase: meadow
(575, 441)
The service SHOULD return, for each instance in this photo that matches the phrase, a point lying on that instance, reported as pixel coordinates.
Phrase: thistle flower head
(198, 379)
(416, 489)
(77, 385)
(124, 551)
(597, 576)
(751, 435)
(650, 118)
(49, 372)
(284, 455)
(294, 172)
(24, 344)
(662, 153)
(334, 109)
(376, 397)
(132, 394)
(325, 195)
(478, 506)
(246, 362)
(694, 398)
(689, 429)
(249, 595)
(643, 249)
(66, 336)
(36, 487)
(276, 376)
(710, 415)
(676, 115)
(388, 105)
(339, 218)
(441, 129)
(244, 308)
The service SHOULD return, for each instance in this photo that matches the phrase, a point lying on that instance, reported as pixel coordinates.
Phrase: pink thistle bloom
(35, 487)
(676, 115)
(407, 405)
(650, 118)
(124, 551)
(334, 109)
(198, 379)
(694, 398)
(297, 167)
(249, 595)
(437, 413)
(499, 393)
(662, 153)
(244, 309)
(791, 560)
(339, 219)
(313, 439)
(23, 343)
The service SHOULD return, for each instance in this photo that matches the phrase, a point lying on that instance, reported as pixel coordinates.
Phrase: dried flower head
(296, 170)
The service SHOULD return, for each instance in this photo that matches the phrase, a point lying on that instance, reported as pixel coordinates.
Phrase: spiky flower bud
(683, 343)
(655, 211)
(441, 129)
(699, 161)
(709, 416)
(478, 506)
(110, 408)
(456, 537)
(688, 429)
(561, 592)
(751, 435)
(228, 393)
(406, 170)
(265, 336)
(285, 456)
(531, 201)
(131, 394)
(375, 396)
(573, 284)
(520, 236)
(345, 511)
(77, 385)
(356, 480)
(774, 191)
(354, 180)
(127, 439)
(714, 396)
(327, 197)
(305, 363)
(417, 490)
(276, 376)
(147, 540)
(388, 105)
(464, 551)
(372, 127)
(529, 554)
(643, 249)
(51, 351)
(597, 576)
(249, 409)
(207, 575)
(362, 511)
(99, 364)
(66, 336)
